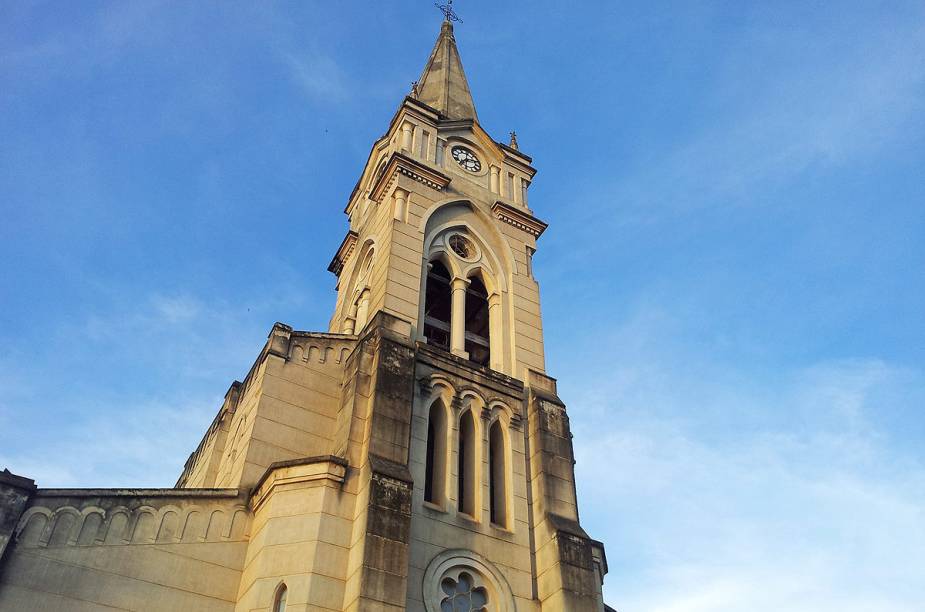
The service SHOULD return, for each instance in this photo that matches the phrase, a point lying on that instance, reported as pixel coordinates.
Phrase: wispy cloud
(176, 354)
(317, 75)
(787, 99)
(728, 488)
(140, 443)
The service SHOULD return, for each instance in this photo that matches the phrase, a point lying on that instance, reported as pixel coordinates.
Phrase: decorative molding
(105, 517)
(519, 218)
(425, 387)
(343, 253)
(516, 421)
(400, 164)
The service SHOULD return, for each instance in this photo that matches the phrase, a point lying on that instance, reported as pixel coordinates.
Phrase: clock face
(467, 159)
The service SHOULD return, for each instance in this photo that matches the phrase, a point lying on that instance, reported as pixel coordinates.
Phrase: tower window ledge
(434, 507)
(501, 531)
(468, 518)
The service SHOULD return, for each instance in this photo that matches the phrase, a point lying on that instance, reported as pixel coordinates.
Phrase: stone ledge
(173, 492)
(520, 219)
(295, 471)
(466, 369)
(20, 482)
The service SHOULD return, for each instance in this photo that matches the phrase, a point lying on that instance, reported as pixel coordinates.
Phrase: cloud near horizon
(730, 489)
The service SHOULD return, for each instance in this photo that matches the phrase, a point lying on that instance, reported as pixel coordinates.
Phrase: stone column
(349, 325)
(362, 311)
(495, 335)
(407, 131)
(458, 317)
(517, 186)
(401, 203)
(495, 179)
(440, 152)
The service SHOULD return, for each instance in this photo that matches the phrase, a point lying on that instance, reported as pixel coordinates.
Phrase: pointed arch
(498, 474)
(435, 462)
(279, 598)
(467, 464)
(491, 263)
(355, 294)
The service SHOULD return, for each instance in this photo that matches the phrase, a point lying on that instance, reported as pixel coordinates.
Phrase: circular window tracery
(460, 580)
(462, 595)
(462, 246)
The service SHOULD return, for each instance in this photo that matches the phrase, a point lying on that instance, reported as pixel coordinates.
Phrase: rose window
(462, 247)
(458, 580)
(461, 595)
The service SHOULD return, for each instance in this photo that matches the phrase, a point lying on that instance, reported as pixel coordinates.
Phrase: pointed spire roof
(443, 84)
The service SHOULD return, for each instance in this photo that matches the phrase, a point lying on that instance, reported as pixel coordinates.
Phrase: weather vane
(448, 12)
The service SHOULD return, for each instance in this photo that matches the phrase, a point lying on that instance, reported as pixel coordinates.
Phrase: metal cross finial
(448, 12)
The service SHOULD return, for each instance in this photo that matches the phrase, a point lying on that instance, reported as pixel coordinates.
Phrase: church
(415, 456)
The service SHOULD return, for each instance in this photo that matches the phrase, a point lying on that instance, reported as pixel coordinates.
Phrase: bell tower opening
(437, 306)
(477, 337)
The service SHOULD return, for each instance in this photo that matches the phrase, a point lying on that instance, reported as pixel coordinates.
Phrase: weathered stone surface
(15, 492)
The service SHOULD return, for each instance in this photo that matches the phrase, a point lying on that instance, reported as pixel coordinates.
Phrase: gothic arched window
(497, 475)
(437, 306)
(477, 337)
(279, 602)
(435, 467)
(466, 465)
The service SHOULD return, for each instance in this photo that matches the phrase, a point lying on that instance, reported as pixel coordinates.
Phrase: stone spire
(443, 84)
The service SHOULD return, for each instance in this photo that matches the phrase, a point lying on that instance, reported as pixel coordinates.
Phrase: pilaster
(569, 564)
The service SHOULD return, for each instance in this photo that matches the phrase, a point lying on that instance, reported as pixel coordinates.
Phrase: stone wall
(133, 549)
(436, 528)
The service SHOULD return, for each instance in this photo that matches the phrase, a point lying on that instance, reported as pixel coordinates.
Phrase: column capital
(494, 299)
(458, 283)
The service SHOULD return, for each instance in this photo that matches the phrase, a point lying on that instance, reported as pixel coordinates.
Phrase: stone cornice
(343, 253)
(295, 472)
(519, 218)
(175, 492)
(402, 164)
(467, 370)
(427, 111)
(524, 158)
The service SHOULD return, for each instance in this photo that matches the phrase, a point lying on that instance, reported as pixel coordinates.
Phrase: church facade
(415, 456)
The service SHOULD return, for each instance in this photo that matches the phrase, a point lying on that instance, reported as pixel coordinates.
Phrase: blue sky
(732, 282)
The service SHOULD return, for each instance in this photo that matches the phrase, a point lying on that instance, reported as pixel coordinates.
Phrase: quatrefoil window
(462, 595)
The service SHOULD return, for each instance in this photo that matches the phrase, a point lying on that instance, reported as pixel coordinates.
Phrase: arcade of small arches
(462, 431)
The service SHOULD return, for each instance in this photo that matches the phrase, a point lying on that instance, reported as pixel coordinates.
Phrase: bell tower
(440, 199)
(440, 242)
